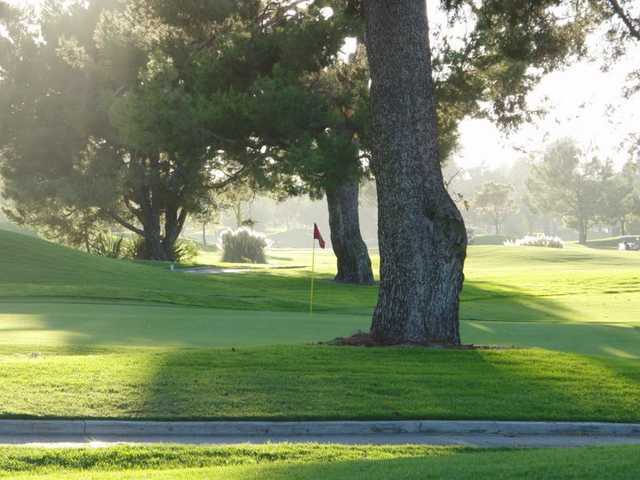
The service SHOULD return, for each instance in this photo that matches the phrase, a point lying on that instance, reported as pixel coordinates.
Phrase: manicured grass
(37, 324)
(33, 268)
(319, 382)
(330, 462)
(611, 243)
(576, 299)
(82, 336)
(518, 284)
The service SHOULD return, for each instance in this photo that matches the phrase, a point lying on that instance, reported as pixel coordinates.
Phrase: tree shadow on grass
(492, 301)
(317, 382)
(541, 463)
(498, 314)
(322, 383)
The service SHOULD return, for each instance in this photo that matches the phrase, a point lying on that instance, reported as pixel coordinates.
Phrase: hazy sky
(577, 100)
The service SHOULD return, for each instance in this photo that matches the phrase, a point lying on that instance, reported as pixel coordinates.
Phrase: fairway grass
(329, 462)
(319, 383)
(576, 299)
(84, 336)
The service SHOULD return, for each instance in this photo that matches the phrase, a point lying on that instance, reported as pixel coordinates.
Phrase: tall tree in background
(567, 183)
(621, 195)
(147, 106)
(71, 162)
(327, 155)
(495, 201)
(346, 85)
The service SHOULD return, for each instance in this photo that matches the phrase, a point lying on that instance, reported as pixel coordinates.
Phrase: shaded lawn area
(330, 462)
(316, 382)
(32, 268)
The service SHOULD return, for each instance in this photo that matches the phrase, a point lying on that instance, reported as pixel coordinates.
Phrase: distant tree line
(565, 187)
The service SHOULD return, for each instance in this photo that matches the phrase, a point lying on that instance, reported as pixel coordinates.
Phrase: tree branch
(453, 177)
(126, 224)
(230, 179)
(634, 30)
(182, 217)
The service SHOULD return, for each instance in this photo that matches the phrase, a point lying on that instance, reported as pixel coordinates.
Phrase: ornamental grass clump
(184, 251)
(243, 246)
(105, 244)
(536, 241)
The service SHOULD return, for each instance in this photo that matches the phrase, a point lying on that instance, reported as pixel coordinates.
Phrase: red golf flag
(318, 236)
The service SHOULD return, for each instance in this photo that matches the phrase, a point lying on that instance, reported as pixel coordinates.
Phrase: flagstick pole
(313, 266)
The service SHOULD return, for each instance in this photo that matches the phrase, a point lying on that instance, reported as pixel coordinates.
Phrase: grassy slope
(126, 358)
(285, 462)
(576, 299)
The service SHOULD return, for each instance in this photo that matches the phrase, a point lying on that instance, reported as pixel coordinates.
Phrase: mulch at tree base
(364, 339)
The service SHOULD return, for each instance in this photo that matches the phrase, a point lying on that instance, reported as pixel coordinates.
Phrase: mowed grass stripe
(314, 382)
(330, 462)
(138, 360)
(44, 327)
(544, 282)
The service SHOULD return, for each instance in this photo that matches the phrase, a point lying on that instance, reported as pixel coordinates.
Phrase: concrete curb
(427, 427)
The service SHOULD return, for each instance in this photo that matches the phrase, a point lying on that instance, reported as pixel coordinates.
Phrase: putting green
(576, 299)
(40, 324)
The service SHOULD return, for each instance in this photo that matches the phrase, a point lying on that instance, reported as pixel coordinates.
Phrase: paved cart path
(480, 440)
(92, 433)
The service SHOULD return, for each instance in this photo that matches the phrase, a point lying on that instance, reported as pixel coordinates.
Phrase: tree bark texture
(162, 222)
(582, 233)
(354, 264)
(421, 232)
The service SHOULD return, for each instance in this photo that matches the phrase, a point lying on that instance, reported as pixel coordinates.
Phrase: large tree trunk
(151, 226)
(159, 239)
(173, 225)
(158, 211)
(354, 264)
(582, 231)
(582, 235)
(421, 232)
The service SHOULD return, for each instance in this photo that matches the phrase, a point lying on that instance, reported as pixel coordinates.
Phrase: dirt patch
(364, 339)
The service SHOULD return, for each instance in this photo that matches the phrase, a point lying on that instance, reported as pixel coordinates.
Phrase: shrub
(136, 249)
(184, 251)
(105, 244)
(536, 241)
(243, 246)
